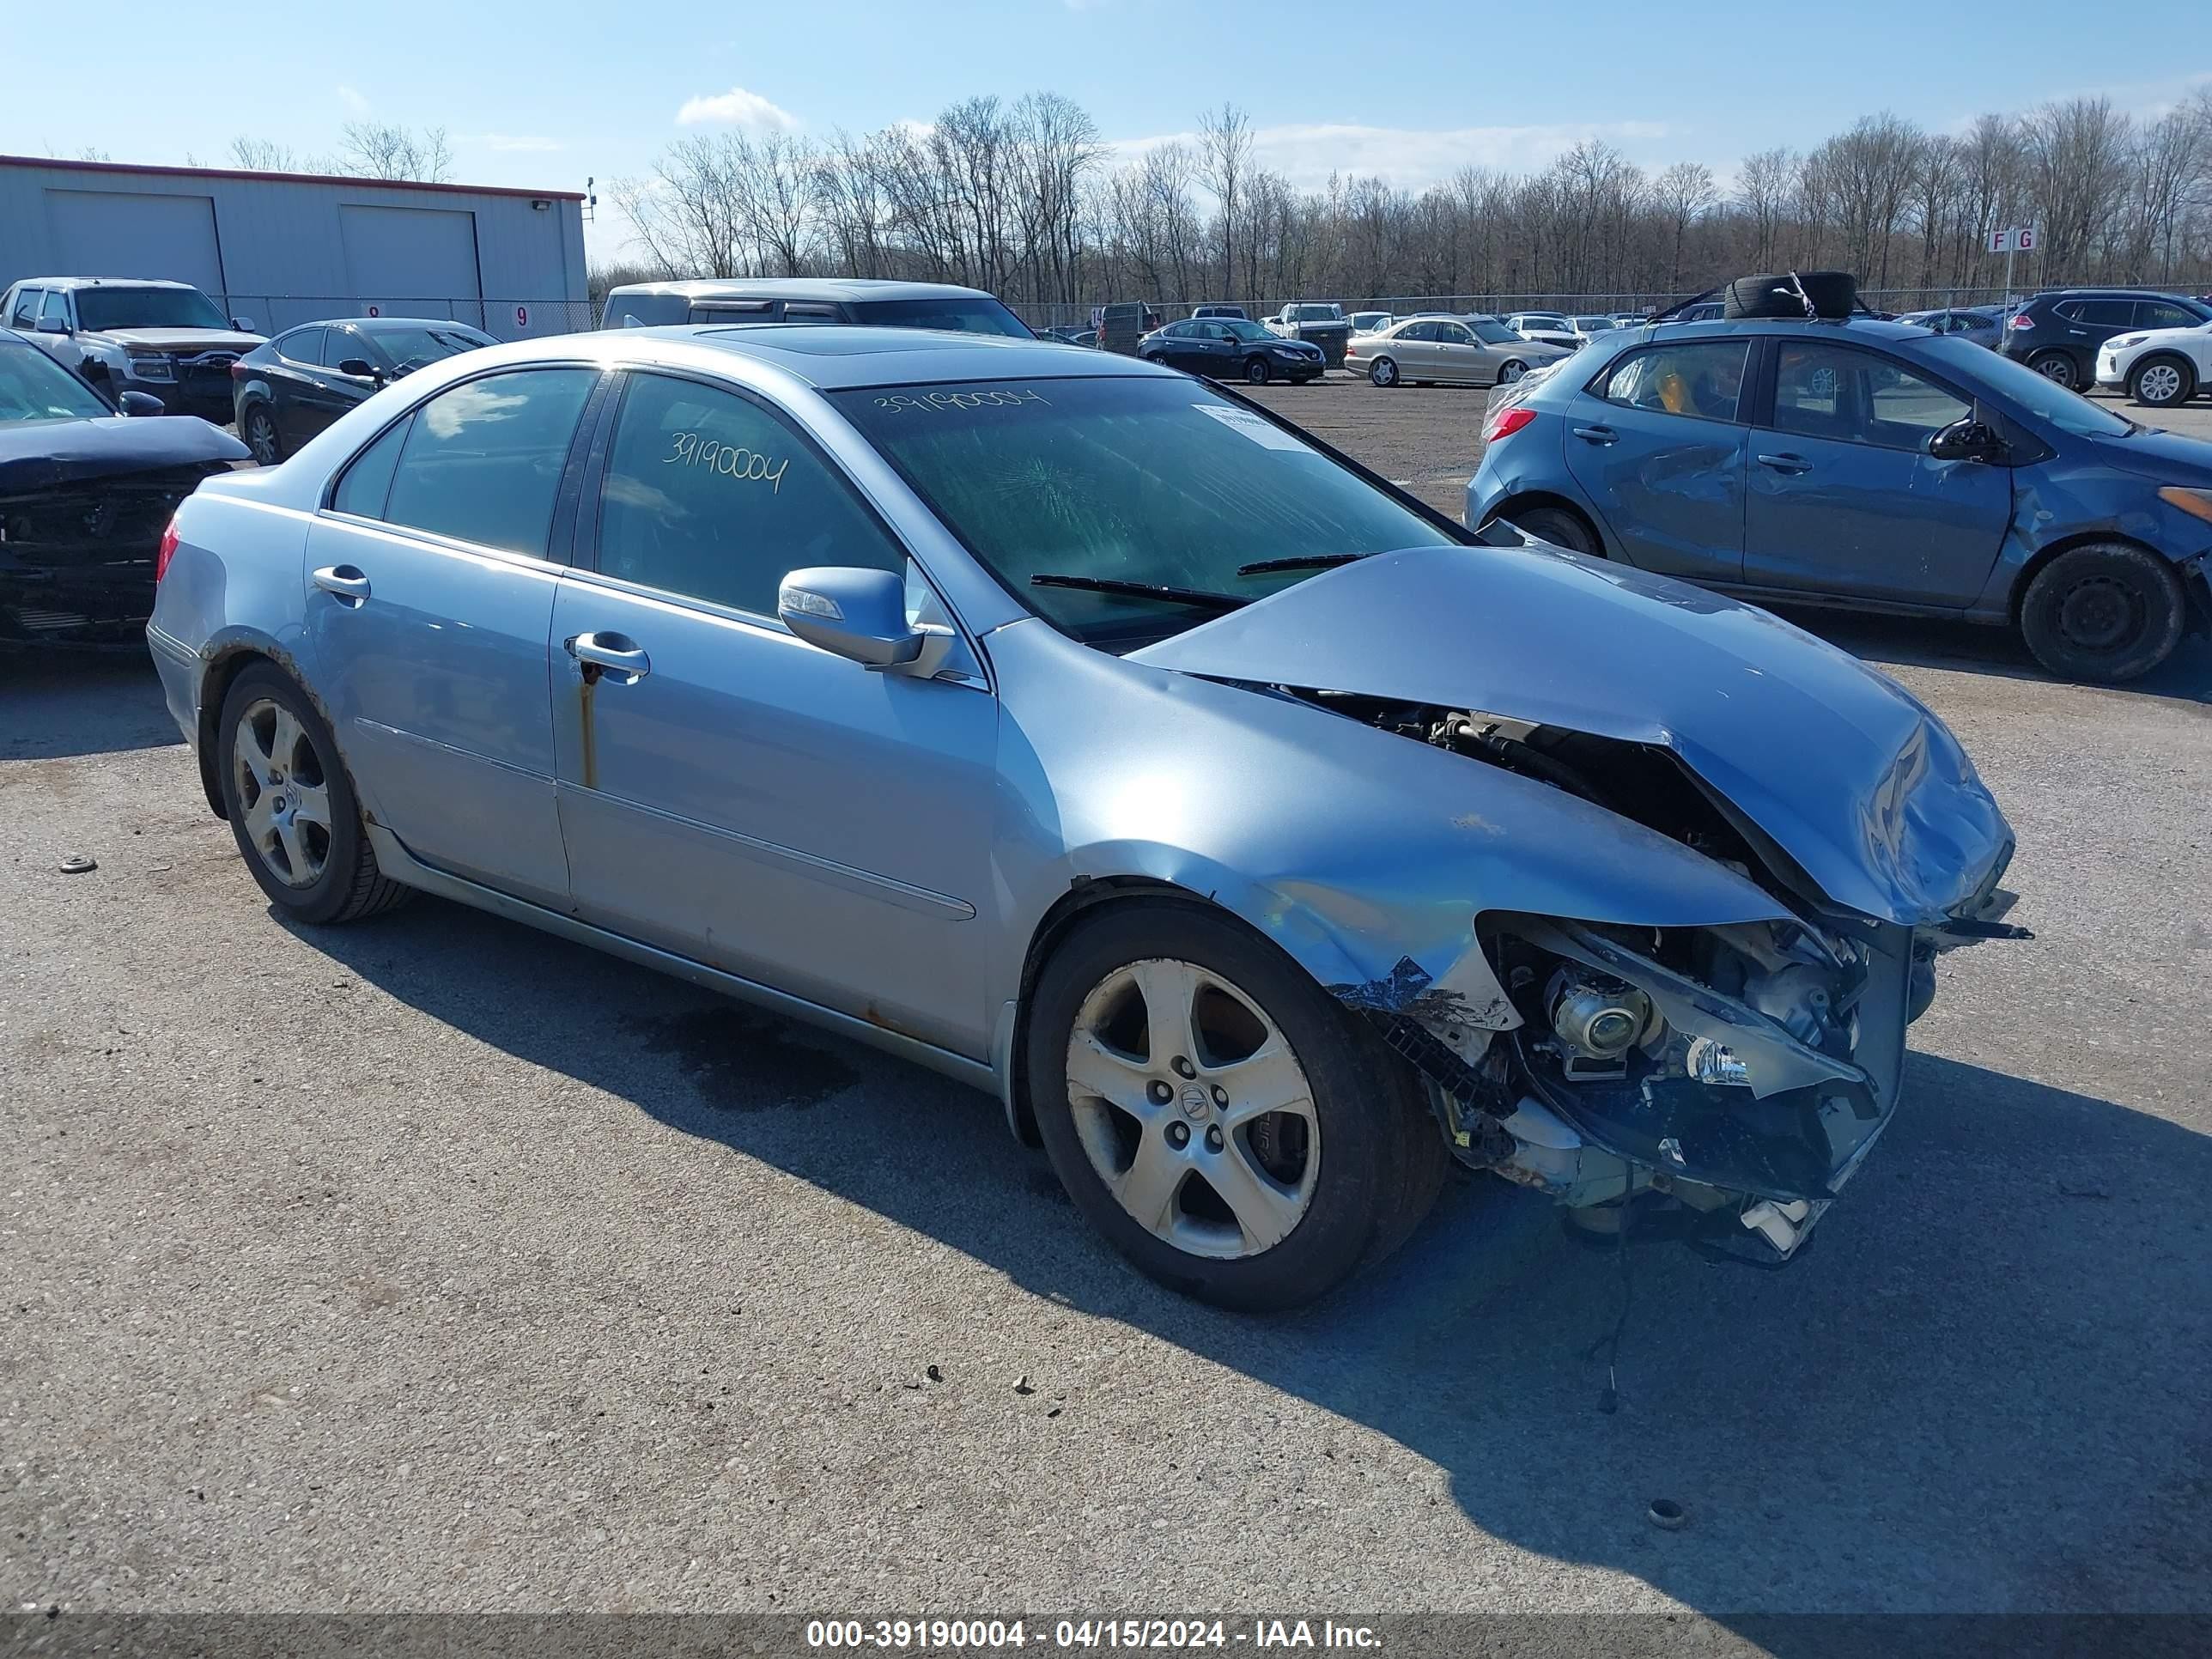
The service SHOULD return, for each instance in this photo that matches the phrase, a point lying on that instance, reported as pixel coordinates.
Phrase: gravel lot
(431, 1263)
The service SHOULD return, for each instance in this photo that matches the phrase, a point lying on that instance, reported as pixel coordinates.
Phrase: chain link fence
(503, 319)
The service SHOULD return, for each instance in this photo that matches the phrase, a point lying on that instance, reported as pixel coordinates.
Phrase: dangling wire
(1609, 1400)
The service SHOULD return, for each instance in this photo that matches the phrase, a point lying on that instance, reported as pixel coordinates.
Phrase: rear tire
(258, 430)
(2106, 612)
(2162, 381)
(1378, 1158)
(2057, 367)
(291, 805)
(1383, 372)
(1561, 526)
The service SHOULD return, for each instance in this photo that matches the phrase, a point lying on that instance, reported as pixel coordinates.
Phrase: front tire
(1220, 1118)
(2057, 367)
(2106, 612)
(291, 805)
(1256, 372)
(2162, 382)
(1510, 371)
(1384, 373)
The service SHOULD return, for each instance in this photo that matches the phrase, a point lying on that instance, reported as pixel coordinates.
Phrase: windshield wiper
(1298, 561)
(1160, 591)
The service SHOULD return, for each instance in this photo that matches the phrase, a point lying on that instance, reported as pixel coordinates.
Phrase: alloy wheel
(283, 792)
(2159, 384)
(1193, 1110)
(2056, 368)
(1511, 373)
(261, 437)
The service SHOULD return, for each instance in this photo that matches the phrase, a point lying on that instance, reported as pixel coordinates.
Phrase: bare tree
(386, 149)
(263, 155)
(1225, 143)
(1683, 192)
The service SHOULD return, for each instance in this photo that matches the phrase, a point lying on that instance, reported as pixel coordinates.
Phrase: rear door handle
(1595, 435)
(618, 656)
(1786, 463)
(343, 582)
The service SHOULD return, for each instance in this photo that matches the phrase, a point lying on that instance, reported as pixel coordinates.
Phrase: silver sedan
(1264, 841)
(1446, 350)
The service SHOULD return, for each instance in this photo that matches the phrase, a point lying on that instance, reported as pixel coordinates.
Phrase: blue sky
(547, 94)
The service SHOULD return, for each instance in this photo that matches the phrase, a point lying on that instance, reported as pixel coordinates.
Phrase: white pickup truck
(1324, 324)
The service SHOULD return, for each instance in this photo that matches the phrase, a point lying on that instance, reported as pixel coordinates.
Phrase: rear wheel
(2108, 611)
(1256, 372)
(260, 434)
(2161, 382)
(1384, 373)
(1560, 527)
(2055, 367)
(291, 805)
(1218, 1116)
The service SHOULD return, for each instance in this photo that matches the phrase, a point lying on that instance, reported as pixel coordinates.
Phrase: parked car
(2160, 367)
(288, 389)
(1070, 335)
(1447, 350)
(1232, 349)
(1122, 326)
(2058, 333)
(166, 339)
(1370, 322)
(1156, 800)
(1219, 310)
(87, 486)
(1546, 328)
(1868, 466)
(1705, 311)
(874, 302)
(1592, 324)
(1321, 324)
(1983, 325)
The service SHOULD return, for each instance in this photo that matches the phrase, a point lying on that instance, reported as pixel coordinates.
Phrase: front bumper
(2109, 371)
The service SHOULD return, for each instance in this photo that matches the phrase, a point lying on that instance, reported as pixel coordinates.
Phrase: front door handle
(618, 656)
(1595, 435)
(344, 583)
(1786, 463)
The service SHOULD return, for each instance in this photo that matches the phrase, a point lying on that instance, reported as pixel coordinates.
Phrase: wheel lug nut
(1159, 1092)
(1184, 1068)
(1178, 1136)
(1214, 1141)
(1220, 1095)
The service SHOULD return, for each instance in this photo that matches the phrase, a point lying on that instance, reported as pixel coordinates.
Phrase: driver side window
(713, 496)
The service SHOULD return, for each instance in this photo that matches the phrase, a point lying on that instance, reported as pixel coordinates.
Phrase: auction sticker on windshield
(1244, 421)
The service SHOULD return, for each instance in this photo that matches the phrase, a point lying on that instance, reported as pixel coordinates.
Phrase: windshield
(411, 348)
(1314, 315)
(1244, 330)
(100, 308)
(34, 387)
(984, 316)
(2069, 412)
(1126, 479)
(1593, 325)
(1490, 331)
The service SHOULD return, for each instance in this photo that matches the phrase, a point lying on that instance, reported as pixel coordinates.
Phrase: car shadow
(59, 703)
(1980, 1388)
(2184, 677)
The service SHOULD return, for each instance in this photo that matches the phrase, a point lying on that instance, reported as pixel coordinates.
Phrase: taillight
(1505, 423)
(165, 551)
(2020, 320)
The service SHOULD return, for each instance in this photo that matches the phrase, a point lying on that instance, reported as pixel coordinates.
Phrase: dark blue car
(1871, 466)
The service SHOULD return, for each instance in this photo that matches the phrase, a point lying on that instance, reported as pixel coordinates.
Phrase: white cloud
(737, 107)
(1411, 158)
(355, 103)
(511, 141)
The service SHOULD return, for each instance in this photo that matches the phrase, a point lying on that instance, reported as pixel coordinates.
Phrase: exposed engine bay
(1738, 1072)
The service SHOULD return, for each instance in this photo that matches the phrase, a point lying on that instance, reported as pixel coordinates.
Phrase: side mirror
(141, 402)
(858, 614)
(52, 325)
(1966, 440)
(243, 325)
(360, 368)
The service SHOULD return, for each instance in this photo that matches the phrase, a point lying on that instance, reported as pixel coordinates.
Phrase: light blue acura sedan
(1265, 841)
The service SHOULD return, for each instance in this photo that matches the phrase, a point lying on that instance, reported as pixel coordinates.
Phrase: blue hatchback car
(1871, 466)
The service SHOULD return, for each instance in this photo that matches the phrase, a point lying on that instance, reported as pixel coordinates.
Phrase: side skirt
(398, 863)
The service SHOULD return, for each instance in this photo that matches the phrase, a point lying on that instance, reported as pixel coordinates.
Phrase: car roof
(829, 357)
(99, 282)
(372, 325)
(804, 287)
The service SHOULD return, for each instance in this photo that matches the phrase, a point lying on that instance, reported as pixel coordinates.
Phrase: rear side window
(712, 496)
(302, 345)
(368, 481)
(481, 460)
(1703, 377)
(2105, 313)
(25, 311)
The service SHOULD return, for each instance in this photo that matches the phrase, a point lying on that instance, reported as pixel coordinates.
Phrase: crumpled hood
(2166, 457)
(1842, 767)
(181, 339)
(41, 454)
